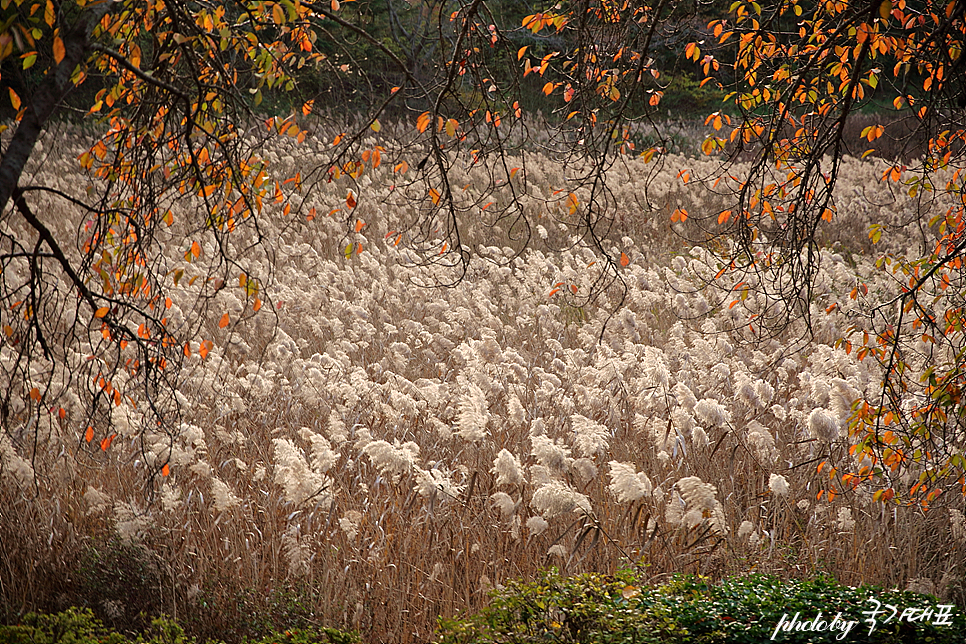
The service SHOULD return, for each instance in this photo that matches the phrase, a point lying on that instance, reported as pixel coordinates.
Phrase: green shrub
(79, 626)
(607, 609)
(73, 626)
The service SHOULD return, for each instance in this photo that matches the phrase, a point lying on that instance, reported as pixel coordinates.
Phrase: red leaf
(106, 443)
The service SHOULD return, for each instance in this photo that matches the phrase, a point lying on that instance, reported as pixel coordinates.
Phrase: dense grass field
(371, 451)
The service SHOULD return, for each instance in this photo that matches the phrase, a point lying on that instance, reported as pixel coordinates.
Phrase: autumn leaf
(106, 443)
(224, 321)
(434, 195)
(101, 312)
(885, 9)
(14, 99)
(165, 470)
(350, 200)
(625, 260)
(360, 225)
(423, 121)
(89, 434)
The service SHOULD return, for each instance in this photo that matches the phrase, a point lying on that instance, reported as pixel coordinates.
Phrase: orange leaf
(423, 121)
(14, 99)
(625, 260)
(89, 434)
(257, 305)
(165, 470)
(187, 349)
(35, 394)
(58, 49)
(548, 88)
(195, 249)
(350, 201)
(204, 349)
(724, 217)
(520, 52)
(307, 107)
(434, 196)
(359, 225)
(101, 312)
(106, 443)
(223, 322)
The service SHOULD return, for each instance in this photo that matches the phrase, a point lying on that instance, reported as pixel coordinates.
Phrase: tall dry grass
(345, 466)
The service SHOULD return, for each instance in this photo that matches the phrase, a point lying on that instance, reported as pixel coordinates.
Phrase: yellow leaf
(49, 15)
(885, 9)
(376, 125)
(14, 99)
(278, 14)
(451, 127)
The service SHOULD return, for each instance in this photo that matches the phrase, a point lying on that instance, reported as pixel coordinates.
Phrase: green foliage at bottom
(79, 626)
(611, 609)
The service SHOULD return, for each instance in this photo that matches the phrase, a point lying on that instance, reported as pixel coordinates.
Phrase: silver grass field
(389, 450)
